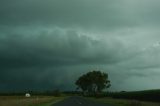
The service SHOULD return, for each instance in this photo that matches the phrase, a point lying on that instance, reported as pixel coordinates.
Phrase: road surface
(78, 101)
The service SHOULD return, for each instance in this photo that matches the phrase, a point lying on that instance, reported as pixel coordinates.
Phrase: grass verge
(49, 102)
(123, 102)
(32, 101)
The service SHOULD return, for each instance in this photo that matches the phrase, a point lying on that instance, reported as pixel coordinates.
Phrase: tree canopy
(93, 82)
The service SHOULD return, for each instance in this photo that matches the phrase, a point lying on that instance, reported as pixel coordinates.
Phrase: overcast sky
(48, 44)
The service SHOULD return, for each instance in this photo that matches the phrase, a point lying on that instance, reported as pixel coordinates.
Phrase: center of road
(78, 101)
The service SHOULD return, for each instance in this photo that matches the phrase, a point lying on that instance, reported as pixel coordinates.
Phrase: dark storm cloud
(28, 55)
(54, 48)
(52, 42)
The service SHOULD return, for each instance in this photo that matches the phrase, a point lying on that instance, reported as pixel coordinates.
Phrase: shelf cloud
(48, 44)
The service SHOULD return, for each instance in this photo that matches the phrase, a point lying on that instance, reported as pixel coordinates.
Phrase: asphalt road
(78, 101)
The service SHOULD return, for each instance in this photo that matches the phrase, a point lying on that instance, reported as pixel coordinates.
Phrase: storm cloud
(48, 44)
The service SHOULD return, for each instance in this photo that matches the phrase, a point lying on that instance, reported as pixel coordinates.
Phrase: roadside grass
(124, 102)
(49, 102)
(32, 101)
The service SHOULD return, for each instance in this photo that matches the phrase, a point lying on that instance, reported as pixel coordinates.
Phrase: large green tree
(93, 82)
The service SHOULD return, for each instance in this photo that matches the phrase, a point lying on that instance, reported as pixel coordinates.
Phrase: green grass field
(32, 101)
(146, 95)
(124, 102)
